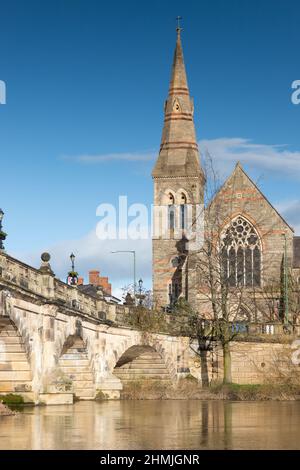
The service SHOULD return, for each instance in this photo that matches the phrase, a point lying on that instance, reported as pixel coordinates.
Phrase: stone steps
(11, 348)
(74, 357)
(80, 376)
(75, 364)
(11, 340)
(137, 375)
(142, 371)
(73, 369)
(147, 379)
(148, 366)
(19, 356)
(15, 373)
(20, 365)
(142, 365)
(7, 327)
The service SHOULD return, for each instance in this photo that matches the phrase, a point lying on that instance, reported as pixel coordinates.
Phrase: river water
(173, 424)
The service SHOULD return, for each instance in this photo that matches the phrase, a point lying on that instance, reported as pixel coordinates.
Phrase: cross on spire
(178, 29)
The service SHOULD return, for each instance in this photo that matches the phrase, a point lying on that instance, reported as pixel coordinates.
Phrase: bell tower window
(171, 212)
(183, 211)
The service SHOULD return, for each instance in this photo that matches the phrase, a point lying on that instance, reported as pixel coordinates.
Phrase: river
(173, 424)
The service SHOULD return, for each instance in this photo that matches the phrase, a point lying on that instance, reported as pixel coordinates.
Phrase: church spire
(178, 77)
(178, 154)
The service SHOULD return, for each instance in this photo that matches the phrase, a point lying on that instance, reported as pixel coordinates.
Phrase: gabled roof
(238, 167)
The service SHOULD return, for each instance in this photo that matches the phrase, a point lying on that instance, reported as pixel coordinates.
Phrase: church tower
(178, 188)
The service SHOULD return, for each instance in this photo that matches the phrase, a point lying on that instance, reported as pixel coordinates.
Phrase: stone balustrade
(44, 284)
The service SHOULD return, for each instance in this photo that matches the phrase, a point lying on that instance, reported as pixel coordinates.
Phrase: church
(257, 247)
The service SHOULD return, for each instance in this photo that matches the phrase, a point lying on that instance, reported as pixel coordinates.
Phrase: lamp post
(72, 275)
(134, 267)
(2, 234)
(141, 296)
(72, 258)
(286, 283)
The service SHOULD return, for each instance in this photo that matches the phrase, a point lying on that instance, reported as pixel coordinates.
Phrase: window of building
(241, 254)
(171, 217)
(183, 211)
(171, 212)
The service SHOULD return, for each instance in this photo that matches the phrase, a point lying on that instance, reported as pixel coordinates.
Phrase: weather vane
(178, 18)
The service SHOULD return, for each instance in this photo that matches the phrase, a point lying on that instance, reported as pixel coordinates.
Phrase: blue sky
(89, 78)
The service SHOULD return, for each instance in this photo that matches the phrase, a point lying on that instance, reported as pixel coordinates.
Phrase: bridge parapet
(17, 275)
(20, 274)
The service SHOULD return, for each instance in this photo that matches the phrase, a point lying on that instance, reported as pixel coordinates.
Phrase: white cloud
(275, 158)
(127, 157)
(92, 253)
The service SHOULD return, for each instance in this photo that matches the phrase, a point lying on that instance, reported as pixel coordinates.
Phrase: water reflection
(176, 424)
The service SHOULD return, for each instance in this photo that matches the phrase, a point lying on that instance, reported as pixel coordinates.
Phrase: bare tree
(226, 277)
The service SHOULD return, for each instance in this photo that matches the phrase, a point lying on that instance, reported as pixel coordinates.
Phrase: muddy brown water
(173, 424)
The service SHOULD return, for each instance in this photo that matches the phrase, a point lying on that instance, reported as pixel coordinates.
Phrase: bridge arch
(142, 363)
(128, 352)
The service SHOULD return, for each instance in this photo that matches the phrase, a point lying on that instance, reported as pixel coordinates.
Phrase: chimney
(94, 277)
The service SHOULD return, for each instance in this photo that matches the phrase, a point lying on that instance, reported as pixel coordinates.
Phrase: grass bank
(190, 389)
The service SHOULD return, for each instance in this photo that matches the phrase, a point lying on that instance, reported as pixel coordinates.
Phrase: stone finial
(128, 299)
(45, 267)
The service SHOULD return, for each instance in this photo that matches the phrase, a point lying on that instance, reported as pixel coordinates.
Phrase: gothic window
(241, 254)
(171, 212)
(183, 211)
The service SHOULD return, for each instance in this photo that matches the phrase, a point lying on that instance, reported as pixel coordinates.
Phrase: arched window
(241, 254)
(183, 211)
(171, 212)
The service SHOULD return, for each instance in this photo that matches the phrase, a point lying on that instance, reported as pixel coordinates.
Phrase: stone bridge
(57, 342)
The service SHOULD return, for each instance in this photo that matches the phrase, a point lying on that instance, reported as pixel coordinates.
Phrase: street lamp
(141, 296)
(2, 234)
(72, 275)
(72, 258)
(134, 267)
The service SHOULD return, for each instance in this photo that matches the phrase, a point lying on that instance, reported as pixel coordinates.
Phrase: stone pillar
(47, 277)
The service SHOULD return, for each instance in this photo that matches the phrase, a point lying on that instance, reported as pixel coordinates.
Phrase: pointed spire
(178, 154)
(178, 77)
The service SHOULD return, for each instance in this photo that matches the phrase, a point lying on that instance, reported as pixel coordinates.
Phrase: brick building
(95, 280)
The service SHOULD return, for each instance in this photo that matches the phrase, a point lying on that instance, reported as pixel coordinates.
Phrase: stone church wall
(252, 363)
